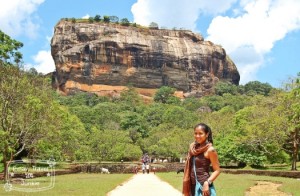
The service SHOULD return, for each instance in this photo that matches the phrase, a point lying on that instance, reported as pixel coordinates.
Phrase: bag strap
(195, 172)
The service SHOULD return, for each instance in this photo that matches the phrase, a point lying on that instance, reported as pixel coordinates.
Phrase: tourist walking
(143, 168)
(148, 168)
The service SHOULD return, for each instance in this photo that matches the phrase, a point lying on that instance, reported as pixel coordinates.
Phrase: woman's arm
(213, 156)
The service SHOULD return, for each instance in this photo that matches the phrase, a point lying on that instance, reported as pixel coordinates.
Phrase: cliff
(104, 58)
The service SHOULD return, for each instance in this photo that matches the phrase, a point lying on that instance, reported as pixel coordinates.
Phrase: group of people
(146, 168)
(145, 165)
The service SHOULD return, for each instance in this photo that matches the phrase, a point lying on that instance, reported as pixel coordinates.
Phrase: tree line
(253, 124)
(113, 19)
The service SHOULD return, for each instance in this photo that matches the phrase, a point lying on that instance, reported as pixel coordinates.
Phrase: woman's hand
(205, 190)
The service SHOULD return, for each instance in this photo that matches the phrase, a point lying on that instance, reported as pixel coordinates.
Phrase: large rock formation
(100, 57)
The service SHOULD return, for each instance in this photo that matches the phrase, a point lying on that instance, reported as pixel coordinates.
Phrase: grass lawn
(101, 184)
(235, 185)
(78, 184)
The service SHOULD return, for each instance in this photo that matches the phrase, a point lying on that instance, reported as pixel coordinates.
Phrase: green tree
(256, 87)
(85, 99)
(134, 121)
(130, 99)
(106, 19)
(107, 116)
(86, 115)
(164, 93)
(9, 54)
(153, 114)
(222, 88)
(91, 19)
(125, 22)
(191, 104)
(179, 116)
(33, 71)
(214, 102)
(153, 25)
(260, 131)
(67, 136)
(291, 109)
(97, 18)
(113, 146)
(168, 140)
(114, 19)
(26, 108)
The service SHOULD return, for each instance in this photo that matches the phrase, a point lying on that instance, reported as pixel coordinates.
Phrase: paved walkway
(144, 185)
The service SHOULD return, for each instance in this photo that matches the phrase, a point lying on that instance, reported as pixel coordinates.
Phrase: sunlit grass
(79, 184)
(229, 184)
(101, 184)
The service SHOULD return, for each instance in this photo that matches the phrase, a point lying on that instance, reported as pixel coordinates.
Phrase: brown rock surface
(91, 56)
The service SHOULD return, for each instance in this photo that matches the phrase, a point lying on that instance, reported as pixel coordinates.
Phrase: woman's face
(200, 135)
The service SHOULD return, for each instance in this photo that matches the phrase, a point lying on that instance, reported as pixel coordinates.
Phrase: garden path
(146, 185)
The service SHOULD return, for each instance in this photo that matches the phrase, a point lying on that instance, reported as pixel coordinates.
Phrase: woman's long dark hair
(206, 129)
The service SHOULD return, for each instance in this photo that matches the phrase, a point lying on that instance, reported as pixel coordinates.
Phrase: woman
(201, 155)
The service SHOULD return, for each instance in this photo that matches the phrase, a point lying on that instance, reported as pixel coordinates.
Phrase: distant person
(148, 168)
(145, 158)
(135, 170)
(143, 168)
(197, 180)
(154, 170)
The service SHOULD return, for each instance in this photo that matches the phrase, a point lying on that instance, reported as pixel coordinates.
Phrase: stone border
(162, 167)
(287, 174)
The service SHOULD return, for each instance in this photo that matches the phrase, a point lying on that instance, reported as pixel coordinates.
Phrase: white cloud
(261, 24)
(43, 62)
(215, 6)
(248, 61)
(176, 13)
(16, 17)
(86, 16)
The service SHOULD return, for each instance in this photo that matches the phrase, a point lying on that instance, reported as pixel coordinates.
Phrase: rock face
(100, 57)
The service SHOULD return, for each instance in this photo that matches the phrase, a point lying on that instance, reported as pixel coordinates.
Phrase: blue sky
(261, 36)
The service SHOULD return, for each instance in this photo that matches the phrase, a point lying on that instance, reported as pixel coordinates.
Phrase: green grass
(78, 184)
(235, 185)
(101, 184)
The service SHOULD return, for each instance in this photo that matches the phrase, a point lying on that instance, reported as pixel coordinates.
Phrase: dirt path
(264, 188)
(146, 185)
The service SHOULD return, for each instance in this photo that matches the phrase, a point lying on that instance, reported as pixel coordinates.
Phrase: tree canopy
(9, 54)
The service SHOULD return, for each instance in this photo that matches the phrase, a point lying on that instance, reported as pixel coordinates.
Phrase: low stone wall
(128, 167)
(160, 167)
(288, 174)
(112, 168)
(173, 167)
